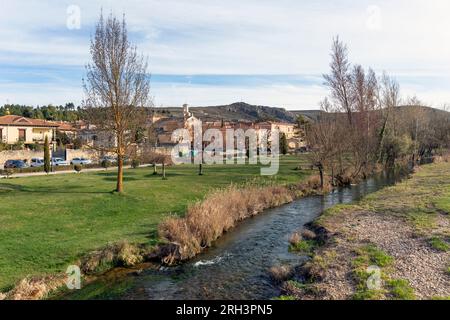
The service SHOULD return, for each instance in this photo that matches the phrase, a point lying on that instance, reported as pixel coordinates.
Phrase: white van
(37, 162)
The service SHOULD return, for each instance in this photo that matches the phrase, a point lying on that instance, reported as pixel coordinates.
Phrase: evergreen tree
(47, 167)
(283, 144)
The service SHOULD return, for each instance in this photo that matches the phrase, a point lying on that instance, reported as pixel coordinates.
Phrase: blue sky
(206, 52)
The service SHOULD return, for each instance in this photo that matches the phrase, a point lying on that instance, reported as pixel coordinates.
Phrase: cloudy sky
(207, 52)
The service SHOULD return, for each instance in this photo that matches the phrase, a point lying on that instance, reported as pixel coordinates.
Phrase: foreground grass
(49, 222)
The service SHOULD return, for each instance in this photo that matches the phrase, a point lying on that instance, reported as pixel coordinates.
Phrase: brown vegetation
(219, 212)
(34, 288)
(281, 273)
(366, 124)
(119, 254)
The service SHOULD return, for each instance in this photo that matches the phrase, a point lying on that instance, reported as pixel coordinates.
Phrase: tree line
(69, 112)
(366, 124)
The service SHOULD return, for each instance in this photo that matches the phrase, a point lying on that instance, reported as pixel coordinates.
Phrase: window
(22, 135)
(1, 134)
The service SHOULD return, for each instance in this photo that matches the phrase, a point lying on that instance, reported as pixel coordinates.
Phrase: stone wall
(19, 155)
(70, 154)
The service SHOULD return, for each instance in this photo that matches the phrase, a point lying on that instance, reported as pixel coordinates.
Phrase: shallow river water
(236, 267)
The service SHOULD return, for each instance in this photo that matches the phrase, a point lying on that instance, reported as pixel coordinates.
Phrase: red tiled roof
(64, 126)
(13, 120)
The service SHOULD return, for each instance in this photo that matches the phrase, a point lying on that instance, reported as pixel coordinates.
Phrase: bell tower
(186, 112)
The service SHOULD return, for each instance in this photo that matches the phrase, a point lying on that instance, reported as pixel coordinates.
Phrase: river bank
(51, 222)
(401, 233)
(236, 266)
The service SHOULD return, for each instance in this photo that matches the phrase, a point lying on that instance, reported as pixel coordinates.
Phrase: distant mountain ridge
(241, 111)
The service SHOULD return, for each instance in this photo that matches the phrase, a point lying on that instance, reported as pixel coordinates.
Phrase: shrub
(308, 234)
(303, 247)
(35, 147)
(106, 164)
(17, 146)
(77, 168)
(135, 163)
(119, 254)
(7, 172)
(295, 239)
(35, 288)
(281, 273)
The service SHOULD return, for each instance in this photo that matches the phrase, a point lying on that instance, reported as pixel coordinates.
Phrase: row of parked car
(39, 162)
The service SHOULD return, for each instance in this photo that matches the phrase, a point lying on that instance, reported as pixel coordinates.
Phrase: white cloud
(407, 37)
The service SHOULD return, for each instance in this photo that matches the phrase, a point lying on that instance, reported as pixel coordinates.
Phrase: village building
(17, 129)
(164, 126)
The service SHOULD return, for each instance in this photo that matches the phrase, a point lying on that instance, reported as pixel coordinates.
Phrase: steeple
(186, 112)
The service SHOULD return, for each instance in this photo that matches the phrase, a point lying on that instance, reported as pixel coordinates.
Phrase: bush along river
(237, 265)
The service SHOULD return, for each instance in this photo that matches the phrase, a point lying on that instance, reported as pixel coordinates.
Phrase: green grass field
(48, 222)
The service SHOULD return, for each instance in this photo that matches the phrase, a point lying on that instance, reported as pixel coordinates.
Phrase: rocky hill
(241, 111)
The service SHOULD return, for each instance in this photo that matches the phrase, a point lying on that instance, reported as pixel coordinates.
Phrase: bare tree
(339, 81)
(323, 140)
(390, 98)
(116, 89)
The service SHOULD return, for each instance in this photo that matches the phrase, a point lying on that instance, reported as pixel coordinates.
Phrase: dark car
(19, 164)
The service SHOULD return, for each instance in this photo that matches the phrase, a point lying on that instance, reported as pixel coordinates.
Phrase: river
(236, 267)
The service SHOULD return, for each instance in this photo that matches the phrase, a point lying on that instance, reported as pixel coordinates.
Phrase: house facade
(16, 129)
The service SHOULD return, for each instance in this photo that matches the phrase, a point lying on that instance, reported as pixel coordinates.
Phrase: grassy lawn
(48, 222)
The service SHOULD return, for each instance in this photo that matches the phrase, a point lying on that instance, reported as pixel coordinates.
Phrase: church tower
(186, 112)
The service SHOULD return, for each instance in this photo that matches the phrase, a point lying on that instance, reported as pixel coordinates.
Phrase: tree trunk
(200, 169)
(321, 177)
(164, 171)
(154, 169)
(119, 173)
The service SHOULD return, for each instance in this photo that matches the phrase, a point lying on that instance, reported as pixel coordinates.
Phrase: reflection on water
(236, 266)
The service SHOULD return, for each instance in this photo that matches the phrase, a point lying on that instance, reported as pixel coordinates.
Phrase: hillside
(241, 111)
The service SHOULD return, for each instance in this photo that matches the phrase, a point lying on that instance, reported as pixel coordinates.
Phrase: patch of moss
(400, 289)
(285, 298)
(371, 255)
(439, 244)
(304, 247)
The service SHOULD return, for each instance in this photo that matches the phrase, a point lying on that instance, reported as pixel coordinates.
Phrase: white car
(37, 162)
(59, 162)
(80, 161)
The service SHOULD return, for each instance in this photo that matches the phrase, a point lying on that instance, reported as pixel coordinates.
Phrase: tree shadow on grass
(125, 179)
(168, 175)
(111, 173)
(6, 188)
(152, 233)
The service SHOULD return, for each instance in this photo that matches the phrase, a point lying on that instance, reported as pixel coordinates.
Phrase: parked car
(80, 161)
(112, 160)
(59, 162)
(37, 162)
(19, 164)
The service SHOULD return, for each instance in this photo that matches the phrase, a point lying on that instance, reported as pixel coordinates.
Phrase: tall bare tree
(339, 80)
(117, 89)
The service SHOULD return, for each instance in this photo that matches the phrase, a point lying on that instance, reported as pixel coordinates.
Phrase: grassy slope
(48, 222)
(421, 200)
